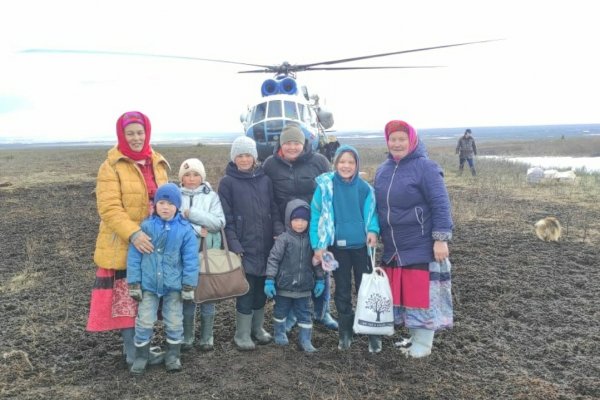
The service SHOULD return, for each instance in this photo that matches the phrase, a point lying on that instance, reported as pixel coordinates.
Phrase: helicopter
(283, 101)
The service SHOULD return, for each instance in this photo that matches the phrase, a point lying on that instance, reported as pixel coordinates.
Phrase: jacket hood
(291, 206)
(347, 149)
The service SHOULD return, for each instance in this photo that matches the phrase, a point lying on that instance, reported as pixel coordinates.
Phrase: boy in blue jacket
(170, 272)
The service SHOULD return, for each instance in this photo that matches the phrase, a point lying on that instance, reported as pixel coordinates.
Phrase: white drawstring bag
(374, 307)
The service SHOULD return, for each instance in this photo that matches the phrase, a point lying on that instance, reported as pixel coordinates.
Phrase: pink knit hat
(401, 126)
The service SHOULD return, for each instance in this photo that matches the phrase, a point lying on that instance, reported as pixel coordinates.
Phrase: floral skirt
(422, 301)
(111, 307)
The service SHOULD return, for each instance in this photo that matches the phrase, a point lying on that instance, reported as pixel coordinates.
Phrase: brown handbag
(221, 274)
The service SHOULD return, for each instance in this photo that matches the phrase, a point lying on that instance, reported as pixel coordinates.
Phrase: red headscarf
(130, 118)
(401, 126)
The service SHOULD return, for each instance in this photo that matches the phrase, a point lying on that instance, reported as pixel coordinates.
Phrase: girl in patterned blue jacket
(170, 272)
(344, 219)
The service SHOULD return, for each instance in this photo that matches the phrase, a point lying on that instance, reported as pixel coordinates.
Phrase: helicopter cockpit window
(290, 109)
(274, 109)
(303, 114)
(260, 112)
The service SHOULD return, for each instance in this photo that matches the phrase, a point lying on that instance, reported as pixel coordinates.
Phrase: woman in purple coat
(416, 225)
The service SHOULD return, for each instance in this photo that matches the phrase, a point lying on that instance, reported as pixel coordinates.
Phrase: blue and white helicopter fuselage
(282, 105)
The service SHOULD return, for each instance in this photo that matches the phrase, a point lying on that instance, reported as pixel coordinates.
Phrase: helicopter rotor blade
(308, 66)
(346, 68)
(128, 54)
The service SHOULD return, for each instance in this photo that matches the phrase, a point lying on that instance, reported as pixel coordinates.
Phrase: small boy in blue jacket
(170, 272)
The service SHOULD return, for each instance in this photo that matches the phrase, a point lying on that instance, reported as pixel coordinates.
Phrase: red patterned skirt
(111, 307)
(410, 285)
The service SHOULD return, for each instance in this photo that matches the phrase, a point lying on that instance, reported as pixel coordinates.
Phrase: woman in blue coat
(416, 225)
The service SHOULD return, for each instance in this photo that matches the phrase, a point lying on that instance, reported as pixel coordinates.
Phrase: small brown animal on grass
(548, 229)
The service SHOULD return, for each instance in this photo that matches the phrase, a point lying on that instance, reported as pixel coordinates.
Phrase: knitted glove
(135, 291)
(270, 288)
(319, 287)
(187, 293)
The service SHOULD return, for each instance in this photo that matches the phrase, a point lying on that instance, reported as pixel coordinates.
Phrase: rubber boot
(206, 332)
(189, 329)
(290, 321)
(473, 171)
(374, 343)
(258, 332)
(243, 325)
(422, 342)
(460, 170)
(142, 354)
(128, 345)
(304, 338)
(345, 331)
(279, 327)
(156, 355)
(172, 358)
(329, 322)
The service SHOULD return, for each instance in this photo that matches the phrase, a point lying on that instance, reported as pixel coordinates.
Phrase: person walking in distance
(466, 149)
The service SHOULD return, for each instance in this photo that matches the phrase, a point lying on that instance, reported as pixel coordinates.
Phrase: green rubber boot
(142, 354)
(258, 332)
(172, 358)
(189, 328)
(243, 325)
(206, 332)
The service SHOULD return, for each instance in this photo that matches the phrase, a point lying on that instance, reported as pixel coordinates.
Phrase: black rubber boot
(345, 331)
(374, 343)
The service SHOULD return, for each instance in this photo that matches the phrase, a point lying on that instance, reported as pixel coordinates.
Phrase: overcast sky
(545, 71)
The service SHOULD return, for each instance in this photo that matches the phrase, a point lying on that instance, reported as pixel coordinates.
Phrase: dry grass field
(527, 312)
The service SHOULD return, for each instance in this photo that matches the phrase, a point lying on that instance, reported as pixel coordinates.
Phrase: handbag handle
(205, 252)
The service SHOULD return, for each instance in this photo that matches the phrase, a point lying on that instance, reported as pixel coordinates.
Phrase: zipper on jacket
(388, 215)
(301, 259)
(420, 219)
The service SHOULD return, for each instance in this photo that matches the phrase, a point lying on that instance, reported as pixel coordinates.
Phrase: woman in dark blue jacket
(251, 221)
(415, 226)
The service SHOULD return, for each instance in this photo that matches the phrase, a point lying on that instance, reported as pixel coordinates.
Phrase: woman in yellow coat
(125, 188)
